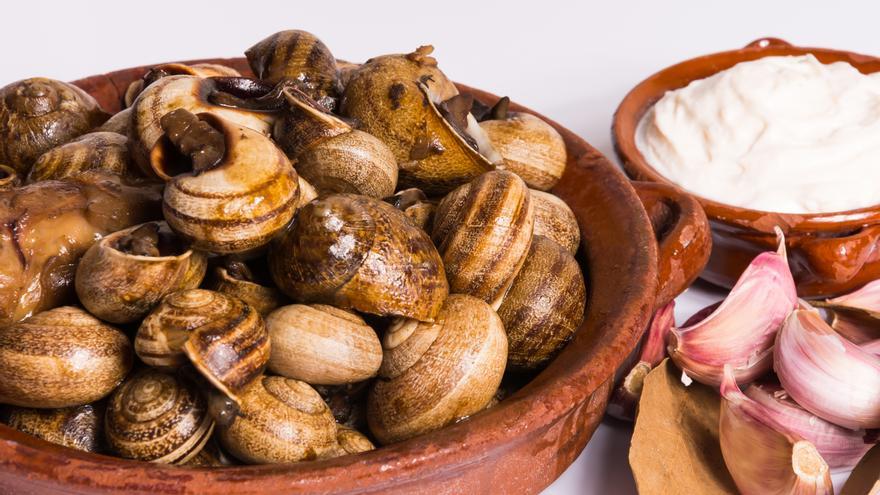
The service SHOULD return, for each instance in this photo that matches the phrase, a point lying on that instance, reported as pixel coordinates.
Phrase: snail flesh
(164, 70)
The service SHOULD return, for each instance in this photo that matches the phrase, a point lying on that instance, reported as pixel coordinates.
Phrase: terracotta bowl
(519, 446)
(830, 253)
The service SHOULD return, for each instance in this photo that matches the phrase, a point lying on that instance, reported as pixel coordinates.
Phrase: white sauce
(782, 134)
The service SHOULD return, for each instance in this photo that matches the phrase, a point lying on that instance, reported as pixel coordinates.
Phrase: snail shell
(415, 205)
(322, 345)
(544, 306)
(483, 231)
(307, 192)
(186, 92)
(555, 220)
(222, 336)
(77, 427)
(120, 123)
(331, 155)
(59, 358)
(434, 374)
(237, 205)
(282, 420)
(120, 281)
(165, 70)
(106, 151)
(157, 417)
(360, 253)
(348, 403)
(39, 114)
(238, 282)
(9, 178)
(212, 455)
(349, 441)
(394, 98)
(531, 148)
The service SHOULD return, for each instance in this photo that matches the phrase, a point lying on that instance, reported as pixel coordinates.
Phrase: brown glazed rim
(618, 246)
(640, 99)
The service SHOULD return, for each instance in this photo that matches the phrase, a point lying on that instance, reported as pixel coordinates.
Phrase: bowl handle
(769, 42)
(683, 237)
(847, 260)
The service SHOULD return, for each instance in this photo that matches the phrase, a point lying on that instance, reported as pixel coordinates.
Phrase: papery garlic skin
(827, 374)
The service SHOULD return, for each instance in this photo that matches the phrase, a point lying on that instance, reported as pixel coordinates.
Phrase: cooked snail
(307, 192)
(126, 274)
(331, 155)
(281, 420)
(212, 455)
(483, 231)
(237, 280)
(544, 306)
(107, 151)
(9, 178)
(77, 427)
(415, 205)
(555, 220)
(120, 123)
(348, 403)
(164, 70)
(350, 441)
(531, 148)
(322, 345)
(159, 418)
(229, 189)
(434, 374)
(360, 253)
(39, 114)
(60, 358)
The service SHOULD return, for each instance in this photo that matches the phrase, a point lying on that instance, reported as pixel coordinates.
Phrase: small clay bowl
(829, 253)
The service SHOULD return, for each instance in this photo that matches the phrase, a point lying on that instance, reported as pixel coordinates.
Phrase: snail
(9, 178)
(222, 336)
(190, 93)
(282, 420)
(228, 188)
(360, 253)
(544, 306)
(124, 275)
(349, 441)
(555, 220)
(531, 148)
(59, 358)
(322, 345)
(120, 123)
(164, 70)
(237, 280)
(76, 427)
(106, 151)
(307, 192)
(415, 205)
(157, 417)
(39, 114)
(398, 99)
(348, 402)
(332, 156)
(434, 374)
(483, 231)
(297, 56)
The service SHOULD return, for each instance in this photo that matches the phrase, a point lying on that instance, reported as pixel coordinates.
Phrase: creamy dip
(783, 134)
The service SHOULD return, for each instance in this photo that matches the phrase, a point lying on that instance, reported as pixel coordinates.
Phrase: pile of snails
(271, 269)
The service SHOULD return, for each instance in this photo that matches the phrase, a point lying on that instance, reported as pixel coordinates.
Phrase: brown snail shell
(59, 358)
(107, 151)
(189, 93)
(212, 455)
(544, 306)
(322, 345)
(332, 156)
(222, 336)
(349, 441)
(39, 114)
(307, 192)
(282, 420)
(555, 220)
(238, 282)
(434, 374)
(531, 148)
(394, 98)
(359, 253)
(9, 178)
(120, 281)
(238, 204)
(159, 418)
(164, 70)
(77, 427)
(348, 403)
(483, 231)
(120, 123)
(415, 205)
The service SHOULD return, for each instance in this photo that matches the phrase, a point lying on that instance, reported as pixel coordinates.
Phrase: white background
(572, 62)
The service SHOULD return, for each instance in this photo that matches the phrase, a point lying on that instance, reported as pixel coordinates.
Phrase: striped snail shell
(174, 69)
(360, 253)
(77, 427)
(282, 420)
(157, 417)
(555, 220)
(234, 202)
(107, 151)
(59, 358)
(483, 231)
(9, 178)
(126, 274)
(120, 123)
(434, 374)
(236, 279)
(531, 148)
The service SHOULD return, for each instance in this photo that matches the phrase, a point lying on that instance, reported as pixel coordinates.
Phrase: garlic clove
(761, 455)
(827, 374)
(867, 299)
(856, 315)
(742, 329)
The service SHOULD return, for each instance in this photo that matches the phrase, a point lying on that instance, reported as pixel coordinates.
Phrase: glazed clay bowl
(829, 253)
(519, 446)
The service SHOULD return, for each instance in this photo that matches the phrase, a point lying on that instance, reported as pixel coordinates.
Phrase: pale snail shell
(531, 148)
(307, 192)
(164, 70)
(235, 280)
(322, 345)
(59, 358)
(107, 151)
(121, 285)
(349, 441)
(159, 418)
(120, 123)
(555, 220)
(9, 178)
(434, 374)
(76, 427)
